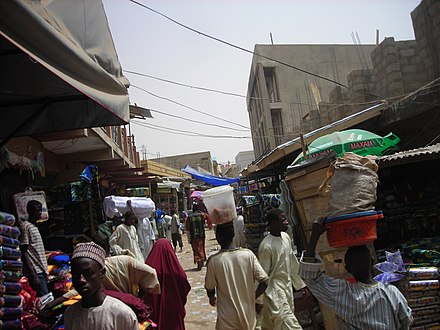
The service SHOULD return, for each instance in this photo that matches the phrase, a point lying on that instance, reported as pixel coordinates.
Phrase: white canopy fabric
(59, 68)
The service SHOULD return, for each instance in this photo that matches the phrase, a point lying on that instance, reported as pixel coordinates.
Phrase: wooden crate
(304, 185)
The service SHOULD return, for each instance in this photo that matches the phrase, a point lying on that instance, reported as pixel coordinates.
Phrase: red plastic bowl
(353, 231)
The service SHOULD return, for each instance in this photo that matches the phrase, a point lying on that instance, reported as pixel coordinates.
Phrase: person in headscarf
(95, 310)
(169, 306)
(125, 238)
(195, 225)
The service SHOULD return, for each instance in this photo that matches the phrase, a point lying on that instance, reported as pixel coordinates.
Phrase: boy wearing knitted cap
(95, 310)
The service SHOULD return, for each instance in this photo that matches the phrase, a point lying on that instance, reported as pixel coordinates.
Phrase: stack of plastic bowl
(352, 229)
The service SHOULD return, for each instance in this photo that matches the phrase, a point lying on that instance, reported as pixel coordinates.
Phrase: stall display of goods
(10, 273)
(219, 202)
(253, 213)
(421, 288)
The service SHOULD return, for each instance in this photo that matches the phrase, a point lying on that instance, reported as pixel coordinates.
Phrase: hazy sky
(150, 44)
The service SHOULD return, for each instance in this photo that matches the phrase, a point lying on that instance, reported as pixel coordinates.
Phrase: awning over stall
(208, 178)
(59, 68)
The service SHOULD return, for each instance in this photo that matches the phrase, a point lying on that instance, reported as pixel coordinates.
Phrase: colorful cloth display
(9, 253)
(9, 231)
(7, 219)
(14, 265)
(9, 242)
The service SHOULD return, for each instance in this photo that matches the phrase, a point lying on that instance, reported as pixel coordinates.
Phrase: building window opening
(277, 124)
(272, 91)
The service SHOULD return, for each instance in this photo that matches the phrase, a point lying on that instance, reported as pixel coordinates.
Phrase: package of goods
(219, 202)
(419, 294)
(351, 183)
(9, 242)
(22, 199)
(8, 301)
(424, 301)
(10, 324)
(9, 231)
(425, 310)
(425, 320)
(14, 265)
(7, 219)
(430, 326)
(10, 288)
(9, 313)
(117, 206)
(9, 253)
(423, 273)
(10, 276)
(423, 285)
(421, 256)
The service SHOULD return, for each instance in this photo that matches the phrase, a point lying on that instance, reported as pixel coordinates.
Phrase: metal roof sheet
(428, 150)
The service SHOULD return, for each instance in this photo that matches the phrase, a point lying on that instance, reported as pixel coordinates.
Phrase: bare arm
(317, 230)
(260, 289)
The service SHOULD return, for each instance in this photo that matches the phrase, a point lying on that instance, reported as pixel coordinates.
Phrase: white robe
(278, 260)
(125, 239)
(239, 238)
(112, 314)
(146, 236)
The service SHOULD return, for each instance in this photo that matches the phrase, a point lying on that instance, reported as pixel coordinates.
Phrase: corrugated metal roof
(429, 150)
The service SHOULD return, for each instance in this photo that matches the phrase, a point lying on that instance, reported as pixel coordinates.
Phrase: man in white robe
(146, 236)
(125, 238)
(278, 260)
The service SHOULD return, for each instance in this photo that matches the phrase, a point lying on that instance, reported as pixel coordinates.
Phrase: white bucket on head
(220, 204)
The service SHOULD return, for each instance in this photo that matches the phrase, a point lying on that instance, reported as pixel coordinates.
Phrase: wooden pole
(303, 146)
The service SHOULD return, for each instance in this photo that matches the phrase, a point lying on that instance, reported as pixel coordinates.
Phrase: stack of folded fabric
(422, 291)
(10, 273)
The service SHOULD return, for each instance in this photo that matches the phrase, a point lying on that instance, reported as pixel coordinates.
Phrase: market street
(199, 314)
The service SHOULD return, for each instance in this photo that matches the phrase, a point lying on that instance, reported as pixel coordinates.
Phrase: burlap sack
(351, 183)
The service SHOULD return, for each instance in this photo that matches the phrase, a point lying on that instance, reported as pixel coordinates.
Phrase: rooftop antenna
(271, 39)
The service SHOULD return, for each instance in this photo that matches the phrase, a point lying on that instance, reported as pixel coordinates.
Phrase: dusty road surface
(199, 314)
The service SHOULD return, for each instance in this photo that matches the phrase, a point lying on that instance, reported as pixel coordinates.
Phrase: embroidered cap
(89, 250)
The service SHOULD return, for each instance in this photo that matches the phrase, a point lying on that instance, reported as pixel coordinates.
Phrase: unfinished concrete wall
(386, 69)
(426, 24)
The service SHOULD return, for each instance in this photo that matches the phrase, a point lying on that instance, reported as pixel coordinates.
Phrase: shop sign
(163, 190)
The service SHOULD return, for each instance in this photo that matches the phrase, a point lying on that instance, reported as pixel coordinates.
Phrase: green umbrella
(352, 140)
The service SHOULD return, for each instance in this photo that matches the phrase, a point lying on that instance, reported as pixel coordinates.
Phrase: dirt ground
(199, 314)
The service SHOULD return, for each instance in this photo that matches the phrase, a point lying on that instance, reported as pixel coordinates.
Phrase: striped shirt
(357, 305)
(31, 237)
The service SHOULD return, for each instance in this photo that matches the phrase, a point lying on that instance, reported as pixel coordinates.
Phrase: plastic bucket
(352, 231)
(219, 202)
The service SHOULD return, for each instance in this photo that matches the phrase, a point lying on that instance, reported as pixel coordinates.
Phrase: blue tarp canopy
(208, 178)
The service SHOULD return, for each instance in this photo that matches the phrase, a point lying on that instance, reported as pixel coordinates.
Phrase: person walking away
(366, 304)
(169, 306)
(278, 260)
(167, 222)
(195, 225)
(239, 238)
(32, 249)
(176, 235)
(95, 310)
(230, 280)
(125, 238)
(146, 236)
